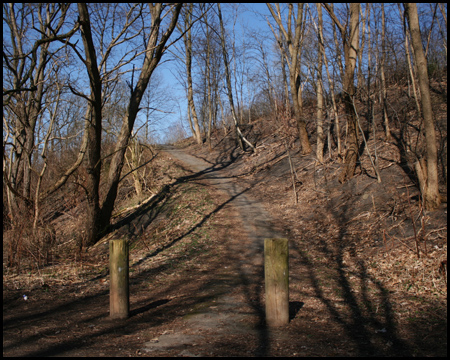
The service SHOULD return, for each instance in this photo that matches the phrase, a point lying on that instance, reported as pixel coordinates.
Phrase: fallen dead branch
(292, 173)
(123, 211)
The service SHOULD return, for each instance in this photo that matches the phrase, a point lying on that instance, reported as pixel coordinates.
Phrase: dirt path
(255, 219)
(209, 306)
(231, 314)
(196, 279)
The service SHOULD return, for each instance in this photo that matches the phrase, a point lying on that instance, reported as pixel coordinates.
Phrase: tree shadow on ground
(81, 324)
(357, 303)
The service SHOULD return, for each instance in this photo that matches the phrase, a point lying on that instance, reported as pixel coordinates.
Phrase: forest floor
(366, 266)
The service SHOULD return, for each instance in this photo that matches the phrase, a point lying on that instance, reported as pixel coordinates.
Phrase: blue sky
(251, 16)
(167, 70)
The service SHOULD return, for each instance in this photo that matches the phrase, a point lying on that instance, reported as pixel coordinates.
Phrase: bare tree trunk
(444, 38)
(93, 164)
(294, 49)
(350, 53)
(338, 47)
(351, 41)
(155, 49)
(240, 136)
(369, 116)
(99, 218)
(225, 129)
(44, 157)
(337, 127)
(320, 136)
(133, 163)
(410, 66)
(285, 83)
(382, 76)
(431, 196)
(83, 149)
(360, 79)
(188, 44)
(270, 87)
(208, 81)
(190, 121)
(28, 69)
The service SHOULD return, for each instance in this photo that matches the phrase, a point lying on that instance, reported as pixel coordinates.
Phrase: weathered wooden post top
(276, 272)
(119, 303)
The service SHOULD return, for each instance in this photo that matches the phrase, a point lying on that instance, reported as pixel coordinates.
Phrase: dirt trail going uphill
(255, 219)
(213, 326)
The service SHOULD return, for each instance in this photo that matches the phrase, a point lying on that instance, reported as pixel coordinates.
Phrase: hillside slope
(364, 249)
(357, 284)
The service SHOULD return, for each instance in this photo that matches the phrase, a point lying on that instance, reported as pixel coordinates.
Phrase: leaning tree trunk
(155, 48)
(240, 137)
(430, 195)
(93, 164)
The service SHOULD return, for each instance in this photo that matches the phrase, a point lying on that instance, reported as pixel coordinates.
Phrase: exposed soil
(357, 286)
(235, 310)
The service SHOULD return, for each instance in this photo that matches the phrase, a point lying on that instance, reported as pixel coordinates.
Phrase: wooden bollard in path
(276, 269)
(119, 303)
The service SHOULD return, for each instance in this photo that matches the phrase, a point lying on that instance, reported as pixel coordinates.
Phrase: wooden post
(276, 269)
(119, 303)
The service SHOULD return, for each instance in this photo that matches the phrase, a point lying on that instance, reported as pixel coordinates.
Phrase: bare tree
(293, 59)
(408, 58)
(187, 37)
(429, 178)
(331, 82)
(444, 38)
(262, 73)
(208, 80)
(240, 137)
(156, 46)
(99, 216)
(364, 18)
(27, 68)
(382, 75)
(94, 131)
(350, 38)
(320, 98)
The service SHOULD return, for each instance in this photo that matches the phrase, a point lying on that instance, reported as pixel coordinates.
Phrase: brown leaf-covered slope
(366, 274)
